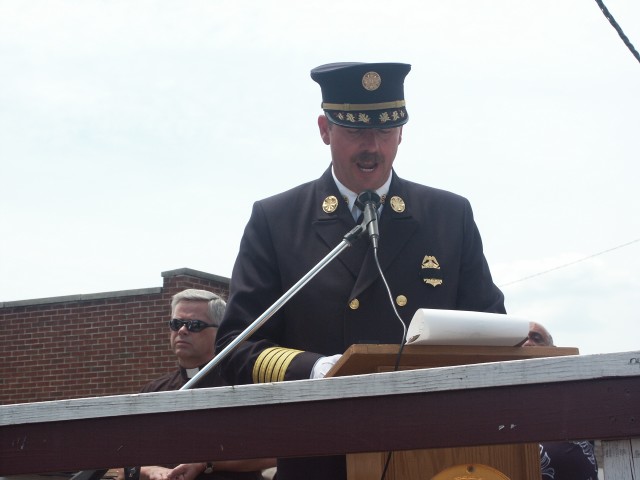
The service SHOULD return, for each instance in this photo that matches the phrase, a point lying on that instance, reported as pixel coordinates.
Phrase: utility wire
(635, 53)
(615, 25)
(571, 263)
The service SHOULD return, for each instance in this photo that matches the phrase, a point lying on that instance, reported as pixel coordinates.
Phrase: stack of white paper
(459, 327)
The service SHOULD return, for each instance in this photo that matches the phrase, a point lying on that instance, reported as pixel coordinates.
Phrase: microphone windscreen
(368, 196)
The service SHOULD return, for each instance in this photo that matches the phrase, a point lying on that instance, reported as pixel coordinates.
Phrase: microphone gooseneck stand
(348, 240)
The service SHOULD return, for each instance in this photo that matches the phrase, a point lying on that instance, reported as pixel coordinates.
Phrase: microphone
(369, 201)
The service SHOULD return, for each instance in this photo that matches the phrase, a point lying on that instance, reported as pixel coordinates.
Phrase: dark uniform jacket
(430, 252)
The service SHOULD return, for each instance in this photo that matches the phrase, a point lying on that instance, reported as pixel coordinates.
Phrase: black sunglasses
(195, 326)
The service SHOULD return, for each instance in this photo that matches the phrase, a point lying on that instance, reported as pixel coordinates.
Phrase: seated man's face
(538, 336)
(193, 349)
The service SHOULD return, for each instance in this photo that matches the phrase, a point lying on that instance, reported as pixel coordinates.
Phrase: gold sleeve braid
(272, 364)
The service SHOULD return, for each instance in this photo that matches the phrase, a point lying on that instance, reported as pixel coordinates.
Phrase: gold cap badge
(330, 204)
(371, 81)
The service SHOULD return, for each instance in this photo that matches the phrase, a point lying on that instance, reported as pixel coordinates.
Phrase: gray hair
(217, 305)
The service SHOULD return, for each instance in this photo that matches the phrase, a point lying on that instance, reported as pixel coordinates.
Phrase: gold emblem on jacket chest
(431, 274)
(429, 261)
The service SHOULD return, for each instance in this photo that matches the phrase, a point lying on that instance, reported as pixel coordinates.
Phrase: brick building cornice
(168, 276)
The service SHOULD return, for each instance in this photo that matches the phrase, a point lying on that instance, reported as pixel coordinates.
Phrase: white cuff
(323, 365)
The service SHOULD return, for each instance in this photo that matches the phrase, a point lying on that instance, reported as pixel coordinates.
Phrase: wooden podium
(495, 462)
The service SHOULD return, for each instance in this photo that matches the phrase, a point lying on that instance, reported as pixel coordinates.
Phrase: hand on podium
(323, 365)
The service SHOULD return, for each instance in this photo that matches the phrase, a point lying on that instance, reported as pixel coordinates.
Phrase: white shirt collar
(351, 196)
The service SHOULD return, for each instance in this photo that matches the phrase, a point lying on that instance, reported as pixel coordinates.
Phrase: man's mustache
(368, 157)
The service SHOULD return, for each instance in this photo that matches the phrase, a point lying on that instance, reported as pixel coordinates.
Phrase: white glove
(323, 365)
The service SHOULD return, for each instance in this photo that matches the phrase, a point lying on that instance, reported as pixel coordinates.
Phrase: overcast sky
(135, 136)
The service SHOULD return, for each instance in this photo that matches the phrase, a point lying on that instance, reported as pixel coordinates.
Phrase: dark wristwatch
(209, 468)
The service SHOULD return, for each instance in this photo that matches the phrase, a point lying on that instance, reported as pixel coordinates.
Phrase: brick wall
(91, 345)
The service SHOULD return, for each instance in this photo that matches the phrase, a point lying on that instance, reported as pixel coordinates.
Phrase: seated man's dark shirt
(174, 381)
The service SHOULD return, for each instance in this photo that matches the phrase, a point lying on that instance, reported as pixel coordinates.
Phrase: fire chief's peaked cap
(363, 95)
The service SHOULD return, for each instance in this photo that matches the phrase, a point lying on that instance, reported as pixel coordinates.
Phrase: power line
(635, 53)
(615, 25)
(570, 263)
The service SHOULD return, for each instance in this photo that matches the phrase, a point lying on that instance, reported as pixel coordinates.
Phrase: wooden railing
(548, 399)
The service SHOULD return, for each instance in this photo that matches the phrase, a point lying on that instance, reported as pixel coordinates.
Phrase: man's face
(362, 157)
(538, 336)
(193, 348)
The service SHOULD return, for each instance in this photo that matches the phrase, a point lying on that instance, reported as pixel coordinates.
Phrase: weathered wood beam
(577, 397)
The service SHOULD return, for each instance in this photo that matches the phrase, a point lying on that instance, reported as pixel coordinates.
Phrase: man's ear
(323, 125)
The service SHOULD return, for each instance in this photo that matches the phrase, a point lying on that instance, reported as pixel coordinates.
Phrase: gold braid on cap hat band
(351, 107)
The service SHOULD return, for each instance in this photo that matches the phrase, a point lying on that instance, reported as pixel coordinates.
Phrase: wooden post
(621, 459)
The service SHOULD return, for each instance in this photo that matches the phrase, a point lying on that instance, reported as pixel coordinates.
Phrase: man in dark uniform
(195, 316)
(429, 249)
